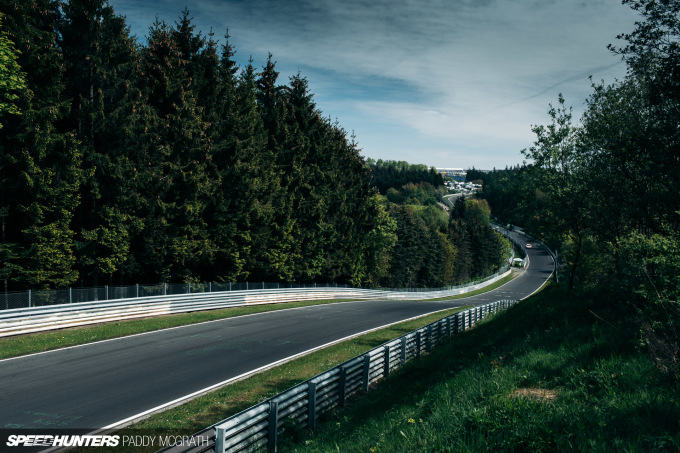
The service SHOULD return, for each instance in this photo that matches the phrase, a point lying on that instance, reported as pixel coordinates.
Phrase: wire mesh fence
(42, 298)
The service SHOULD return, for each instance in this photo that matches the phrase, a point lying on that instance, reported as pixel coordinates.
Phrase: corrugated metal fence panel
(260, 426)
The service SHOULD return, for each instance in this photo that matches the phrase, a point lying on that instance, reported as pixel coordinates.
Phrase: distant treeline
(123, 162)
(390, 173)
(436, 248)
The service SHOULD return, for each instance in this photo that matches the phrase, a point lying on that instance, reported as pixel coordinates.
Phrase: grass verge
(46, 341)
(553, 373)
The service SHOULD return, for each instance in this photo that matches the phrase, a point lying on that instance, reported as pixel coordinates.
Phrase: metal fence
(43, 298)
(259, 427)
(20, 321)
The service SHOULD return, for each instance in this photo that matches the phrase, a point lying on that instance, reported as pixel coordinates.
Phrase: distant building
(457, 174)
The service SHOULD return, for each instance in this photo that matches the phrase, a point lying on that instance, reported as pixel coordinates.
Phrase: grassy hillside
(554, 373)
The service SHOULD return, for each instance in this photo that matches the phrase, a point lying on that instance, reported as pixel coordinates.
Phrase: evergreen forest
(123, 162)
(436, 246)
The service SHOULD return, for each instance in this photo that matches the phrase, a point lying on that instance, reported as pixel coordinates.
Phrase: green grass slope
(554, 373)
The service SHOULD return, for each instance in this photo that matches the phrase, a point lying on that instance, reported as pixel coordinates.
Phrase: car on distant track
(529, 246)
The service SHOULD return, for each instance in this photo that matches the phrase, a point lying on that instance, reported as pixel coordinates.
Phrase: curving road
(109, 383)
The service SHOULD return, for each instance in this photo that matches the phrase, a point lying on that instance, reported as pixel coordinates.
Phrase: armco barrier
(37, 319)
(259, 427)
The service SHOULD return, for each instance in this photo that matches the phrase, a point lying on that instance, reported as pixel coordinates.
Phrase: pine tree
(277, 259)
(238, 138)
(410, 252)
(179, 178)
(40, 159)
(12, 79)
(460, 237)
(306, 178)
(100, 59)
(255, 168)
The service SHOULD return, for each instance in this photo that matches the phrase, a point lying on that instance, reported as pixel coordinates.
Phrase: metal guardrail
(39, 298)
(259, 427)
(37, 319)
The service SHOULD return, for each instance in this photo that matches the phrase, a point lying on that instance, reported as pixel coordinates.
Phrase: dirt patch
(535, 393)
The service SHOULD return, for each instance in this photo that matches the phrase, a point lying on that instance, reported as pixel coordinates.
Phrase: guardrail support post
(342, 387)
(428, 344)
(311, 404)
(418, 340)
(273, 426)
(106, 291)
(29, 298)
(403, 350)
(219, 440)
(137, 289)
(367, 371)
(386, 350)
(70, 295)
(448, 327)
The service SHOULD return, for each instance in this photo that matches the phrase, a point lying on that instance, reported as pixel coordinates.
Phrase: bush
(651, 274)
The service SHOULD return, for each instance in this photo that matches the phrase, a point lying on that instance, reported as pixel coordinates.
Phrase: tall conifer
(39, 156)
(100, 59)
(179, 178)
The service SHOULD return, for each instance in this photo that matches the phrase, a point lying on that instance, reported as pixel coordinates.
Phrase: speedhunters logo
(62, 440)
(65, 440)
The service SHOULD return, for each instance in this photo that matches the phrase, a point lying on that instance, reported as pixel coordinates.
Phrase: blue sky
(445, 83)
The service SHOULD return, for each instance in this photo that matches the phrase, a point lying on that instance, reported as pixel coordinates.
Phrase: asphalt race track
(106, 383)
